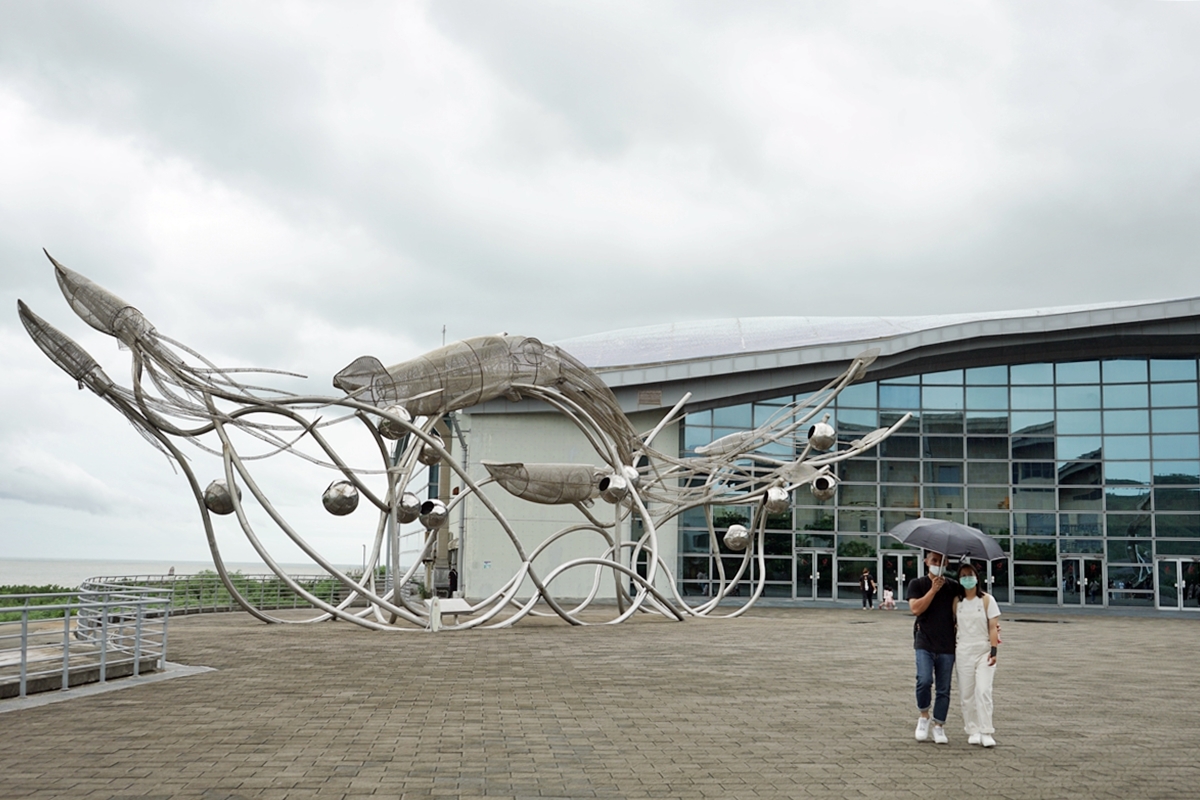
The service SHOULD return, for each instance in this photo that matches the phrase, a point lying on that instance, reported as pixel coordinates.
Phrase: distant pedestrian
(978, 635)
(888, 602)
(867, 584)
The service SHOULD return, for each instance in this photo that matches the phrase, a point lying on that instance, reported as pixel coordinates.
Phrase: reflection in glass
(1127, 472)
(1125, 370)
(987, 497)
(1078, 396)
(814, 519)
(694, 436)
(901, 471)
(1172, 369)
(902, 397)
(943, 422)
(893, 518)
(1040, 499)
(1177, 526)
(889, 418)
(943, 472)
(900, 496)
(1079, 498)
(860, 470)
(1127, 524)
(1033, 524)
(1127, 421)
(900, 447)
(1079, 525)
(1174, 420)
(1030, 447)
(1078, 372)
(1132, 395)
(1078, 448)
(1127, 499)
(987, 376)
(1081, 546)
(1024, 374)
(1129, 550)
(987, 472)
(1033, 423)
(858, 395)
(987, 397)
(943, 497)
(853, 494)
(1176, 499)
(1024, 397)
(943, 447)
(1178, 547)
(856, 520)
(733, 416)
(940, 397)
(1165, 395)
(984, 422)
(993, 524)
(858, 420)
(698, 418)
(943, 513)
(1078, 422)
(1130, 586)
(950, 377)
(1123, 447)
(1034, 550)
(1176, 448)
(1176, 472)
(1079, 473)
(1036, 473)
(764, 411)
(986, 447)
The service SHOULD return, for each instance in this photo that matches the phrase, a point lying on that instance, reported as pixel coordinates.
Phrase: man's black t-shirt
(934, 630)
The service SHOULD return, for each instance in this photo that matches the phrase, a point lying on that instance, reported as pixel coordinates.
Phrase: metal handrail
(205, 593)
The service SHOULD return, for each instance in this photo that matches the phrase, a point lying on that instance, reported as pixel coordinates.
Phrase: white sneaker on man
(973, 738)
(987, 740)
(922, 729)
(939, 735)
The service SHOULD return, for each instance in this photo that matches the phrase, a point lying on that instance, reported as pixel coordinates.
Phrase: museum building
(1071, 435)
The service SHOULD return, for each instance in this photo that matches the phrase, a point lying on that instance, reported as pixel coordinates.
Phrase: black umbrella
(948, 538)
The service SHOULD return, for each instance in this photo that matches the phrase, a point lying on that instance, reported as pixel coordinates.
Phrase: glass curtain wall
(1087, 473)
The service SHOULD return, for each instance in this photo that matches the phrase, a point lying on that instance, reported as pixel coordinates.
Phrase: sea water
(72, 572)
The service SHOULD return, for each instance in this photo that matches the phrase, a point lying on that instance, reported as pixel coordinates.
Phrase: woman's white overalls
(971, 651)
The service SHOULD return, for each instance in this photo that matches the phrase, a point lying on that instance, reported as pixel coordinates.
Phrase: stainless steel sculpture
(177, 396)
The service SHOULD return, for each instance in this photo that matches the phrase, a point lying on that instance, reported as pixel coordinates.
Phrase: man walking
(931, 600)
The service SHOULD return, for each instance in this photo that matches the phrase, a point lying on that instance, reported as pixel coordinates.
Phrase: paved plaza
(779, 703)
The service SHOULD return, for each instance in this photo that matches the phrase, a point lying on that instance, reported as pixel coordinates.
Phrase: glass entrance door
(1070, 576)
(814, 574)
(1092, 586)
(898, 570)
(1178, 583)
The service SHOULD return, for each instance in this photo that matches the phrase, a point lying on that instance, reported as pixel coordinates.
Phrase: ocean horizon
(72, 572)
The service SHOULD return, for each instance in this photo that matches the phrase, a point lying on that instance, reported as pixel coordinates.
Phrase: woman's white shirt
(972, 623)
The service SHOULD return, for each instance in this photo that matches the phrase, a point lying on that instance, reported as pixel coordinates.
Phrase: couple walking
(957, 629)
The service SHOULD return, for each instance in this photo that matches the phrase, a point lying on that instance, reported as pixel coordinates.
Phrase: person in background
(931, 600)
(867, 584)
(977, 617)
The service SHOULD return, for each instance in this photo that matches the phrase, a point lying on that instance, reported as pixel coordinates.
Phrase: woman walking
(978, 635)
(867, 584)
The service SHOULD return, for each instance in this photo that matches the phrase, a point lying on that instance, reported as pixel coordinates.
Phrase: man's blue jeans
(934, 671)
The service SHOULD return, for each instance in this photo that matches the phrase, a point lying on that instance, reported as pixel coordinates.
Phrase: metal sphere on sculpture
(429, 455)
(632, 476)
(613, 488)
(822, 436)
(340, 498)
(408, 508)
(823, 487)
(776, 500)
(433, 514)
(389, 429)
(217, 498)
(737, 538)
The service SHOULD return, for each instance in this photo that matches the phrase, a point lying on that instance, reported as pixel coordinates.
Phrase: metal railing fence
(205, 593)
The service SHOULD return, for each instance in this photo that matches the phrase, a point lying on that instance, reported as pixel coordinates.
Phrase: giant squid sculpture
(176, 396)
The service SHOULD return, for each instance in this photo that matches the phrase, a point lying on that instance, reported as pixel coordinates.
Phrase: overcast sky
(294, 185)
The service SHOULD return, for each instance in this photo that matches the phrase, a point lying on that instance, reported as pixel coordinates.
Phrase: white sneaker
(973, 738)
(922, 729)
(987, 740)
(939, 735)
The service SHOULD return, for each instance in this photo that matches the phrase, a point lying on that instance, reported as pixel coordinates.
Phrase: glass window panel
(943, 422)
(862, 470)
(1127, 421)
(1178, 548)
(901, 471)
(889, 418)
(733, 416)
(907, 380)
(900, 496)
(1133, 395)
(900, 447)
(1080, 498)
(1079, 525)
(943, 447)
(1024, 397)
(764, 411)
(1078, 372)
(1125, 371)
(858, 395)
(850, 494)
(1127, 524)
(1081, 546)
(695, 568)
(857, 420)
(1035, 550)
(779, 569)
(695, 435)
(1123, 579)
(1033, 499)
(1127, 472)
(1025, 374)
(893, 518)
(1164, 395)
(987, 447)
(698, 418)
(1177, 526)
(1078, 448)
(949, 397)
(1079, 422)
(987, 472)
(1127, 499)
(984, 422)
(951, 377)
(1079, 473)
(1174, 420)
(1078, 396)
(993, 524)
(943, 497)
(905, 397)
(1176, 472)
(1172, 369)
(858, 520)
(944, 513)
(987, 397)
(1176, 447)
(814, 519)
(1033, 423)
(1130, 550)
(987, 376)
(717, 433)
(1033, 524)
(694, 542)
(1033, 473)
(1175, 499)
(814, 539)
(987, 497)
(943, 472)
(1031, 448)
(1126, 447)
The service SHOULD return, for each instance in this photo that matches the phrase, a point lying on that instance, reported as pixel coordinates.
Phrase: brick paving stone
(779, 703)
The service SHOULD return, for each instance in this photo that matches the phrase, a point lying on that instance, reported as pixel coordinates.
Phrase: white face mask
(935, 571)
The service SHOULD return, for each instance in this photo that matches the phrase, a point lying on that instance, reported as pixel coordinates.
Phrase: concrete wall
(486, 556)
